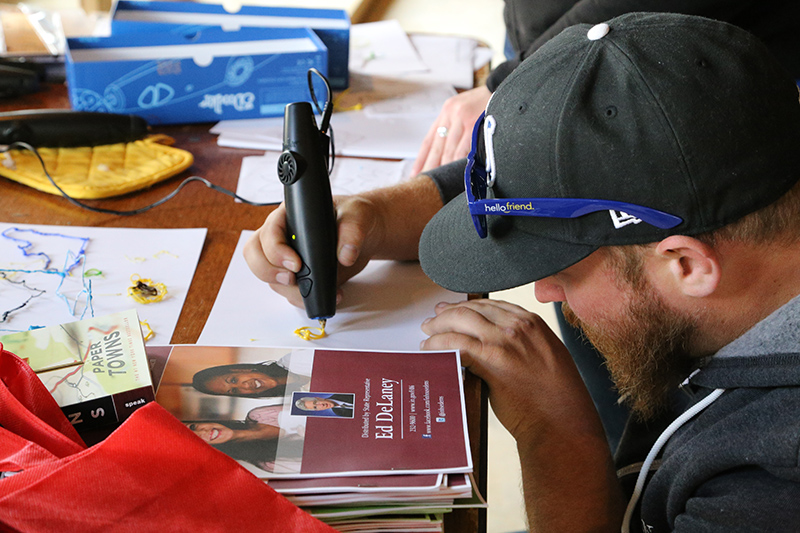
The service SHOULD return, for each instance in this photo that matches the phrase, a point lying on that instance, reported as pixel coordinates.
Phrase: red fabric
(151, 474)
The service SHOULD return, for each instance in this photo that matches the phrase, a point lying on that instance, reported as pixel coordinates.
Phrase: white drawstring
(660, 442)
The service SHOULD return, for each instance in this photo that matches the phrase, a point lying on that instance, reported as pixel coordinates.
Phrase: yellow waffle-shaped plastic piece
(91, 172)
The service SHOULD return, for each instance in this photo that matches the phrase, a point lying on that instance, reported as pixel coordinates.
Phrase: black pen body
(310, 216)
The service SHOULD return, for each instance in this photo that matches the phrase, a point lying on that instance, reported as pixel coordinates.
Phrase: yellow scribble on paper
(145, 291)
(309, 334)
(148, 331)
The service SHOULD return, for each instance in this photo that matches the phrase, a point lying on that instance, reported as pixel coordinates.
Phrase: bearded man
(644, 172)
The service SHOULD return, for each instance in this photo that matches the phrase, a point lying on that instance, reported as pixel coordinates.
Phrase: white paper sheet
(53, 293)
(449, 60)
(258, 177)
(382, 309)
(382, 48)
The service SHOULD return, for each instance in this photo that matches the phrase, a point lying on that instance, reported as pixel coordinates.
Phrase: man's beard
(646, 350)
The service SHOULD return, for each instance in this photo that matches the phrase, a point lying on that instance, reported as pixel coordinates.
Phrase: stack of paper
(364, 440)
(378, 116)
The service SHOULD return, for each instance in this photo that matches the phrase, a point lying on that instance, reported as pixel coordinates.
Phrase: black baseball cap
(681, 114)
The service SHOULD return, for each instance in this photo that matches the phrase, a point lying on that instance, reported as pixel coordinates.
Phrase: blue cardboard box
(207, 76)
(332, 26)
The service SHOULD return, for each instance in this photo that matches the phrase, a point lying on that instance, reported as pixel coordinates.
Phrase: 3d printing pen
(310, 216)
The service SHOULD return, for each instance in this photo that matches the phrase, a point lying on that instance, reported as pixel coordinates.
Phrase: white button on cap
(598, 31)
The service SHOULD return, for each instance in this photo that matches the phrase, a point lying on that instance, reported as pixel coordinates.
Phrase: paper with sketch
(382, 308)
(382, 48)
(285, 412)
(258, 176)
(449, 60)
(57, 274)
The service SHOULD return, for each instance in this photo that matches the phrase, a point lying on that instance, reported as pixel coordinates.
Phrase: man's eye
(193, 427)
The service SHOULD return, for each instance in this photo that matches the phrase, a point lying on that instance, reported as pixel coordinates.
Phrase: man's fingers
(422, 154)
(490, 309)
(453, 140)
(434, 153)
(351, 237)
(464, 145)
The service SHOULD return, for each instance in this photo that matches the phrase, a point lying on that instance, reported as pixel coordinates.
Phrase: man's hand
(457, 117)
(272, 260)
(380, 224)
(537, 394)
(531, 376)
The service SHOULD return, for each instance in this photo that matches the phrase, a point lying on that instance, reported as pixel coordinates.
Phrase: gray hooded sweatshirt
(733, 466)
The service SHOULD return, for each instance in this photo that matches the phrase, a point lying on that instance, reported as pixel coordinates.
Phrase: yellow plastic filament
(147, 330)
(144, 291)
(309, 334)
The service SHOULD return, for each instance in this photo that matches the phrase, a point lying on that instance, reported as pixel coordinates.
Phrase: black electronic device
(16, 81)
(310, 216)
(64, 128)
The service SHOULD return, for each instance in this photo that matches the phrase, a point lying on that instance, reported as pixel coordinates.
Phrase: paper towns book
(96, 369)
(300, 413)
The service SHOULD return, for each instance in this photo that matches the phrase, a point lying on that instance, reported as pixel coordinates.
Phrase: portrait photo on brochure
(327, 404)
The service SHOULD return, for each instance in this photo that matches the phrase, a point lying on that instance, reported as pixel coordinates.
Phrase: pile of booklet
(365, 441)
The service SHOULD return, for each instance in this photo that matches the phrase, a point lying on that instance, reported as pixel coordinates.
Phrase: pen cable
(325, 111)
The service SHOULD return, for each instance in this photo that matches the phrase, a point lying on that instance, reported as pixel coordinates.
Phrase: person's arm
(537, 393)
(380, 224)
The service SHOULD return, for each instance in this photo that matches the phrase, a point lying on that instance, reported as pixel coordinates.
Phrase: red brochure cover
(305, 413)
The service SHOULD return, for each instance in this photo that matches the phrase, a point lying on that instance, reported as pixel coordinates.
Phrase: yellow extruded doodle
(146, 328)
(309, 334)
(144, 291)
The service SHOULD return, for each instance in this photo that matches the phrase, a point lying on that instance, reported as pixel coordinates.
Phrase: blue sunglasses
(477, 183)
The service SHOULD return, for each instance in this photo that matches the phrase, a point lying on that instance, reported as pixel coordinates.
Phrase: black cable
(328, 109)
(132, 212)
(325, 111)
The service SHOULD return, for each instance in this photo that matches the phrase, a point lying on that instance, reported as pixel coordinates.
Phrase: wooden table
(197, 206)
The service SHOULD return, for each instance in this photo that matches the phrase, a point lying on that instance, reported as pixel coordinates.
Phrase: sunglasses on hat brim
(476, 182)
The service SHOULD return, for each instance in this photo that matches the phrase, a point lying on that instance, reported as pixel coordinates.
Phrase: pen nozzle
(322, 322)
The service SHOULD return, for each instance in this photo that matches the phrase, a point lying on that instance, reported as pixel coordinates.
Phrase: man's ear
(693, 266)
